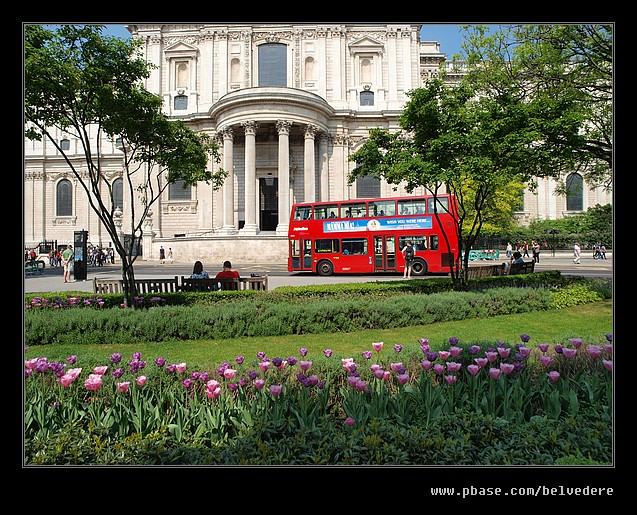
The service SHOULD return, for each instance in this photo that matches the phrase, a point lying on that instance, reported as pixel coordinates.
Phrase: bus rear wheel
(419, 268)
(325, 268)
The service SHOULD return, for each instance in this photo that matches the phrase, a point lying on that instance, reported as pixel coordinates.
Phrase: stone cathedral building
(288, 105)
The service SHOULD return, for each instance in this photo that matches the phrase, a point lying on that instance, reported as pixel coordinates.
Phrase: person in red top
(228, 273)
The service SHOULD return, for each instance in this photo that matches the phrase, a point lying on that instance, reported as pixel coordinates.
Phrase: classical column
(228, 186)
(283, 128)
(341, 170)
(250, 226)
(309, 176)
(324, 176)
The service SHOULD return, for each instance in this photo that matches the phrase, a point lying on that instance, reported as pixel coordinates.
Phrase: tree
(574, 61)
(88, 85)
(476, 146)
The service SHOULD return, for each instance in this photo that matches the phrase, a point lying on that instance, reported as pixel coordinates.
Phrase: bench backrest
(522, 268)
(146, 286)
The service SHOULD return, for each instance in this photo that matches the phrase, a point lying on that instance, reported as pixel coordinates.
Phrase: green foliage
(574, 295)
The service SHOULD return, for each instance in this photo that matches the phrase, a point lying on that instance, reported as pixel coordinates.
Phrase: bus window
(419, 242)
(354, 246)
(433, 242)
(325, 211)
(443, 205)
(357, 210)
(411, 207)
(323, 246)
(303, 213)
(382, 208)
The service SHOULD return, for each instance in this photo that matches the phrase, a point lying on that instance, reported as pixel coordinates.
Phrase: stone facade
(288, 105)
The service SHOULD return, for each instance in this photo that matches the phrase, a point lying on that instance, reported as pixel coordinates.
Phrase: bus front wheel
(419, 268)
(325, 268)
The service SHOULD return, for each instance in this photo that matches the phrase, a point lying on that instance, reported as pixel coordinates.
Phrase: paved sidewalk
(52, 278)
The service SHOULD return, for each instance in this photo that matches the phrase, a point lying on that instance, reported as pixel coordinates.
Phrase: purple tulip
(327, 352)
(525, 338)
(554, 375)
(473, 369)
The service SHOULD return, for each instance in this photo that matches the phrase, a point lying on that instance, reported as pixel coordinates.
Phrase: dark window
(303, 213)
(367, 187)
(181, 102)
(354, 246)
(443, 205)
(273, 66)
(65, 144)
(367, 98)
(179, 191)
(118, 193)
(64, 198)
(326, 246)
(574, 192)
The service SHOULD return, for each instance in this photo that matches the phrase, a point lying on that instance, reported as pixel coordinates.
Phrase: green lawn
(589, 321)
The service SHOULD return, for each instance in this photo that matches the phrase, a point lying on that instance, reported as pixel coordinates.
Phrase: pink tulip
(481, 362)
(386, 375)
(141, 380)
(305, 365)
(350, 421)
(100, 370)
(426, 364)
(507, 368)
(491, 356)
(495, 372)
(395, 366)
(525, 351)
(213, 393)
(229, 373)
(594, 351)
(473, 369)
(543, 347)
(259, 383)
(453, 367)
(439, 369)
(444, 354)
(554, 375)
(546, 360)
(575, 342)
(375, 366)
(264, 365)
(276, 389)
(608, 347)
(504, 352)
(181, 368)
(282, 365)
(377, 346)
(451, 379)
(608, 364)
(123, 387)
(568, 352)
(66, 380)
(93, 382)
(379, 373)
(455, 351)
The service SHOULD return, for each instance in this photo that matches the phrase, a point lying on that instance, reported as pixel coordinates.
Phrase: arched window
(118, 194)
(574, 192)
(367, 98)
(273, 65)
(65, 144)
(309, 68)
(178, 191)
(64, 198)
(367, 187)
(181, 102)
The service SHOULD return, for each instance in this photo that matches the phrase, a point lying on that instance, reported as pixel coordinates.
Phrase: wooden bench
(256, 282)
(522, 268)
(165, 285)
(144, 286)
(475, 272)
(34, 267)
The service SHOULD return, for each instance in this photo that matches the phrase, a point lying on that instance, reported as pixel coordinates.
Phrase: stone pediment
(181, 49)
(366, 44)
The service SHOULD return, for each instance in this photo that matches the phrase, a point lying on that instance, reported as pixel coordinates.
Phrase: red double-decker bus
(368, 235)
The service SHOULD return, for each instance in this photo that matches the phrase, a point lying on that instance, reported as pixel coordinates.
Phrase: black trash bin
(80, 259)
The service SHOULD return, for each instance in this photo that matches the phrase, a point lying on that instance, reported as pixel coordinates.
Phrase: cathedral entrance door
(268, 203)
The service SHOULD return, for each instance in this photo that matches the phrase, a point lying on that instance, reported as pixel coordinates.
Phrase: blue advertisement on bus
(382, 224)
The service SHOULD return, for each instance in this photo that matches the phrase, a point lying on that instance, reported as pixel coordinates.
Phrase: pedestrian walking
(536, 251)
(577, 251)
(170, 254)
(162, 255)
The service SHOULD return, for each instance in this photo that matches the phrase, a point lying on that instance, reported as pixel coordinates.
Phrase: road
(52, 279)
